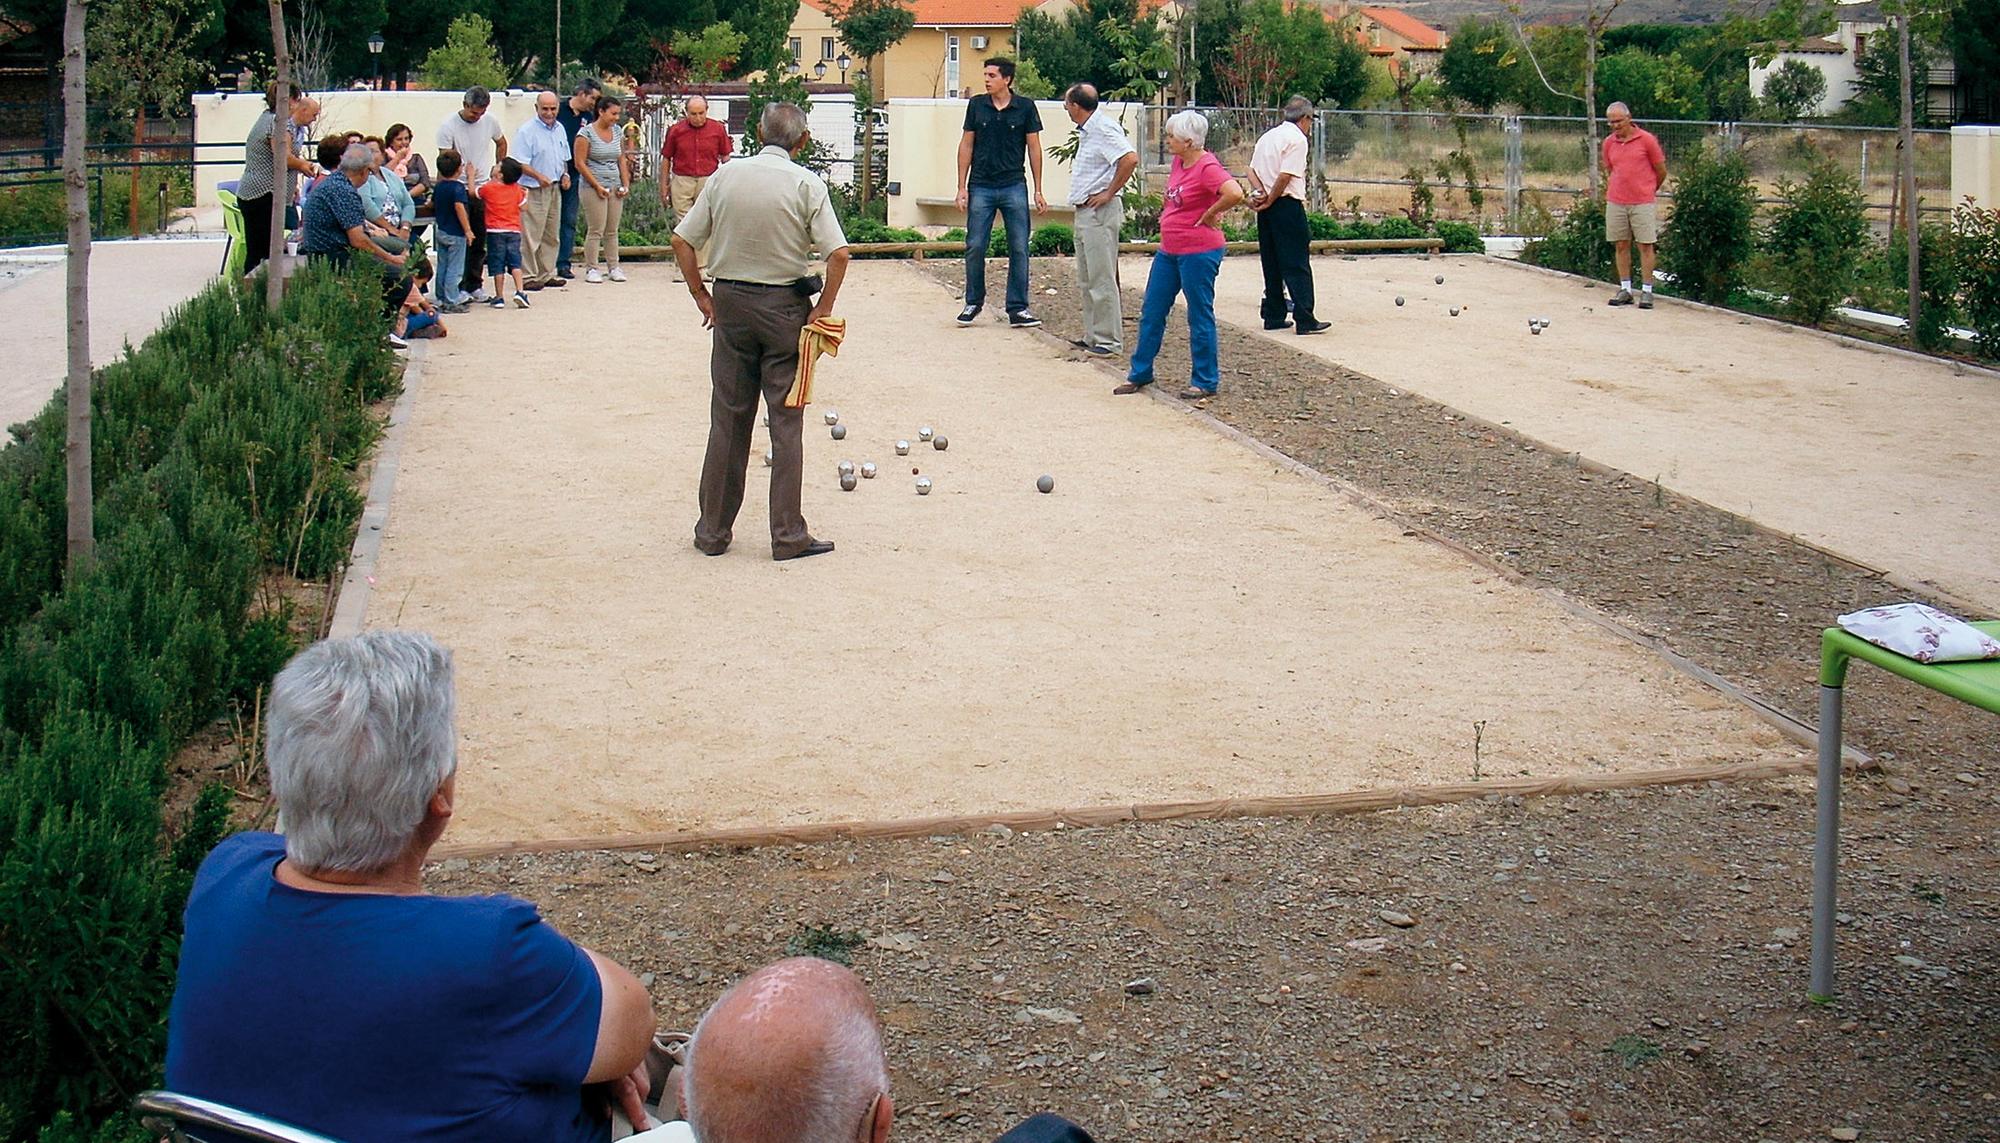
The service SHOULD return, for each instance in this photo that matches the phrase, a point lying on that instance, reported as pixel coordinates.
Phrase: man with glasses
(543, 151)
(579, 109)
(1636, 167)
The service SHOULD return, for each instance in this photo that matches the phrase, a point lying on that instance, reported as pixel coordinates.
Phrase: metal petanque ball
(767, 420)
(940, 443)
(1534, 329)
(925, 433)
(902, 448)
(1454, 311)
(844, 467)
(1399, 299)
(1440, 279)
(832, 417)
(770, 458)
(847, 482)
(1045, 483)
(923, 486)
(840, 432)
(867, 470)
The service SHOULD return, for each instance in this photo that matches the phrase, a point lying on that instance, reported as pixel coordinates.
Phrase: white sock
(1625, 284)
(1649, 287)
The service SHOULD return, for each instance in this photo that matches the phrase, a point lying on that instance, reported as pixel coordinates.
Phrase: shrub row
(1815, 250)
(224, 450)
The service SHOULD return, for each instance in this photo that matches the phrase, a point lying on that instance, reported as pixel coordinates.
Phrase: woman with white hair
(319, 984)
(1199, 190)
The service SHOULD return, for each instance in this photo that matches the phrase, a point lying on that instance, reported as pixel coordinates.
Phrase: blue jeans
(1012, 203)
(1193, 275)
(450, 267)
(566, 229)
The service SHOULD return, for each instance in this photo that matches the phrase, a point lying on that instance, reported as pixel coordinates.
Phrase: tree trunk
(138, 156)
(1591, 33)
(868, 138)
(281, 153)
(80, 499)
(1907, 144)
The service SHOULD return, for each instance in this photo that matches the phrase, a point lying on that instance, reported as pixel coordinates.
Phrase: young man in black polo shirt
(1000, 130)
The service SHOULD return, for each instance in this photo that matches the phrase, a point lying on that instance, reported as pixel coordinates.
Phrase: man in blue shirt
(319, 984)
(575, 112)
(544, 153)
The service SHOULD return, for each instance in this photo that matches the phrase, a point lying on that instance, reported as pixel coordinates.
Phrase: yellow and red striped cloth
(821, 336)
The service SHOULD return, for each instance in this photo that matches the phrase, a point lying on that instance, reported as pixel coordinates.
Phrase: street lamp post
(819, 70)
(375, 45)
(843, 61)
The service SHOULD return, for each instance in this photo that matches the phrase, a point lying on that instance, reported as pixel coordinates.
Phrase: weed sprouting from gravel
(824, 942)
(1634, 1050)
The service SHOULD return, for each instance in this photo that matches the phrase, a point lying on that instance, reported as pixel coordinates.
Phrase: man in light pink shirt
(1284, 239)
(1637, 167)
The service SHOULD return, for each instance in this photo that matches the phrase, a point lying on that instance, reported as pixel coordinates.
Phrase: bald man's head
(791, 1054)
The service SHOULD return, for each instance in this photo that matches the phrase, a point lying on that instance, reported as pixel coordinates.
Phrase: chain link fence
(1508, 169)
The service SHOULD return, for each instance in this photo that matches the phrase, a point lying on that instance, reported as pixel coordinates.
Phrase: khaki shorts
(1639, 223)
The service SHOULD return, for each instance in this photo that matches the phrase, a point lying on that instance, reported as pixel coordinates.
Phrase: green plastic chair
(1976, 683)
(234, 254)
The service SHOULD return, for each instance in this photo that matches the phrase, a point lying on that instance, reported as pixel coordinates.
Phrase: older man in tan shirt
(760, 219)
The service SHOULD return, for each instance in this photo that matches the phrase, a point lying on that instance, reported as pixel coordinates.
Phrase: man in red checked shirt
(695, 147)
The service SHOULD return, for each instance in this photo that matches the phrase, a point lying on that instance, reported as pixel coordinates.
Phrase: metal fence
(1516, 164)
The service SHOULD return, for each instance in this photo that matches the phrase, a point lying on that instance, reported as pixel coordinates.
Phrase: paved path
(132, 287)
(1890, 460)
(1181, 619)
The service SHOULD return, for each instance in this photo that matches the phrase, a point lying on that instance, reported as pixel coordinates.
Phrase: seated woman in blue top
(390, 208)
(321, 986)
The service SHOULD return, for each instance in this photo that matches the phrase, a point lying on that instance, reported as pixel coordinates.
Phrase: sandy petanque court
(1181, 619)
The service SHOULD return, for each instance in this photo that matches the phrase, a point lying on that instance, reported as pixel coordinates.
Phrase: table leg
(1826, 843)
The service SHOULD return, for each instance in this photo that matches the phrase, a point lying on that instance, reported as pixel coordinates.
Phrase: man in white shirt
(1284, 240)
(1105, 159)
(543, 149)
(481, 143)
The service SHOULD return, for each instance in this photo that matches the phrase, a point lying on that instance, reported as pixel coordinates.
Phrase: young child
(503, 198)
(448, 199)
(418, 317)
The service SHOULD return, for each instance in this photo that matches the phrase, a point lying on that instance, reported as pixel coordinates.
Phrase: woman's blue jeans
(1012, 203)
(1194, 276)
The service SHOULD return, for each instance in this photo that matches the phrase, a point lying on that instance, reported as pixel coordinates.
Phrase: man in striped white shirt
(1105, 159)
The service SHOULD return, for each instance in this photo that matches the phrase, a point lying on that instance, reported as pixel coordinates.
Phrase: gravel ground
(1616, 966)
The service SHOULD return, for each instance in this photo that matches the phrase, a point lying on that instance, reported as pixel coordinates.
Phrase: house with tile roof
(1834, 56)
(1393, 35)
(942, 56)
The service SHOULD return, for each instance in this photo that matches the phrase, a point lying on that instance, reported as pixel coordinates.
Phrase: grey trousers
(755, 350)
(1097, 273)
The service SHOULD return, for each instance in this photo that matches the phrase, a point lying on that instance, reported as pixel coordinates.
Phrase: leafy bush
(1460, 237)
(1398, 227)
(227, 447)
(1816, 239)
(1575, 245)
(1055, 238)
(1975, 243)
(33, 214)
(1142, 216)
(1713, 231)
(868, 230)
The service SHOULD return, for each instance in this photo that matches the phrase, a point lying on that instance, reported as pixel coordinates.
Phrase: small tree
(869, 28)
(1713, 232)
(710, 54)
(145, 56)
(1793, 90)
(1477, 63)
(1816, 239)
(467, 58)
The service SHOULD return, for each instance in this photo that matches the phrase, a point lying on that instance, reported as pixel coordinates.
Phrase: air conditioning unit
(979, 43)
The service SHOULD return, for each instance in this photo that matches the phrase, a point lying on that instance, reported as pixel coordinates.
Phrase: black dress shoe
(1277, 325)
(816, 548)
(1315, 327)
(706, 550)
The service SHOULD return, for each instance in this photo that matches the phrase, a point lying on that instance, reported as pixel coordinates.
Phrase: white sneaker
(593, 276)
(482, 294)
(616, 274)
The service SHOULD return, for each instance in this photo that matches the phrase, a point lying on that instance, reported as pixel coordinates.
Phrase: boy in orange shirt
(503, 198)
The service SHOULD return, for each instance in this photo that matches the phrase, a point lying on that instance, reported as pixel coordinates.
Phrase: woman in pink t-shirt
(1198, 192)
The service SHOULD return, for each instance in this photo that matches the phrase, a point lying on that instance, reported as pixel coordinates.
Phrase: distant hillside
(1450, 12)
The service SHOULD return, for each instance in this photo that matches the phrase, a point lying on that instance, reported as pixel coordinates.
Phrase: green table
(1976, 682)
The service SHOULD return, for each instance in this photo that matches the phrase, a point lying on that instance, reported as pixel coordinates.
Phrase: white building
(1834, 56)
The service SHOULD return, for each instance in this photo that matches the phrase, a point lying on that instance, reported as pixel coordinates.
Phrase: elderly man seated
(793, 1054)
(321, 986)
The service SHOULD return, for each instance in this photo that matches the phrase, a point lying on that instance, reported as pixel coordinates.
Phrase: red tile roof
(1407, 26)
(959, 13)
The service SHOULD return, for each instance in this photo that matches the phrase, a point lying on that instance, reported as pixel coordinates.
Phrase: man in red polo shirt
(1637, 167)
(695, 147)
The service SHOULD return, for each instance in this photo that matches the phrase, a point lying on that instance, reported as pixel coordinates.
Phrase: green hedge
(223, 450)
